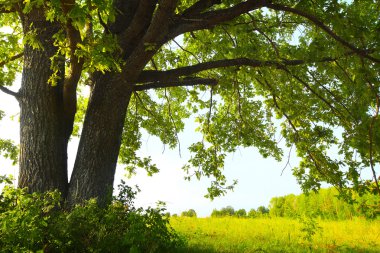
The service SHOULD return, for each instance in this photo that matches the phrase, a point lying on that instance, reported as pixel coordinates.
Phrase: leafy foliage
(34, 222)
(9, 150)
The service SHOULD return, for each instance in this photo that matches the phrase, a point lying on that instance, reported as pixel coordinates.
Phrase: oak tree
(248, 71)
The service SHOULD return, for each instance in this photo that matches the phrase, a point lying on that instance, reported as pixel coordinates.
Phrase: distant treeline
(230, 211)
(241, 213)
(325, 204)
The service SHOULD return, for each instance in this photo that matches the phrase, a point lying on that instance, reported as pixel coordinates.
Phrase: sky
(259, 179)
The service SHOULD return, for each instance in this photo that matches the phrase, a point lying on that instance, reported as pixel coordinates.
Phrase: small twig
(230, 36)
(142, 104)
(288, 161)
(172, 120)
(210, 109)
(265, 36)
(187, 51)
(308, 87)
(344, 71)
(336, 98)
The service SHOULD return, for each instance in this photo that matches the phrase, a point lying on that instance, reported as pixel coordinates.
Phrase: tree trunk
(43, 155)
(96, 160)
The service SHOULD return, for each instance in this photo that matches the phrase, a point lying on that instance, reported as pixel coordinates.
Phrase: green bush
(189, 213)
(241, 213)
(36, 222)
(225, 211)
(253, 213)
(262, 210)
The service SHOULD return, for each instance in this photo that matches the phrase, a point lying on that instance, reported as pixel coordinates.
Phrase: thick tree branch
(151, 42)
(207, 20)
(74, 71)
(129, 39)
(320, 24)
(160, 19)
(9, 92)
(152, 75)
(199, 7)
(176, 83)
(124, 14)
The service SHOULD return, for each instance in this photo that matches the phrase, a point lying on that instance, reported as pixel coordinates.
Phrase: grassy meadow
(232, 234)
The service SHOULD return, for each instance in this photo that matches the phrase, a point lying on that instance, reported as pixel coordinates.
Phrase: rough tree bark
(43, 155)
(94, 168)
(95, 164)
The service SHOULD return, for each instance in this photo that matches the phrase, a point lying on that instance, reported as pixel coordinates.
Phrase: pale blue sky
(259, 180)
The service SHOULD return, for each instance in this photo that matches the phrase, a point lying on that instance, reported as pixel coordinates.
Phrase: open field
(277, 235)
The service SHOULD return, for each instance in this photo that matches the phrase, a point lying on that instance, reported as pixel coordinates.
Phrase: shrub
(252, 213)
(216, 213)
(189, 213)
(227, 211)
(35, 222)
(263, 210)
(241, 213)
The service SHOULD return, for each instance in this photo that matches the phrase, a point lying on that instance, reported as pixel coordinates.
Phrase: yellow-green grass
(276, 235)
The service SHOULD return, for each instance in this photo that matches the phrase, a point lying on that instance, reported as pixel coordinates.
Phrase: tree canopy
(253, 73)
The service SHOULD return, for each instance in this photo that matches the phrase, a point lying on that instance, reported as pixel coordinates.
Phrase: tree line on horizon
(325, 204)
